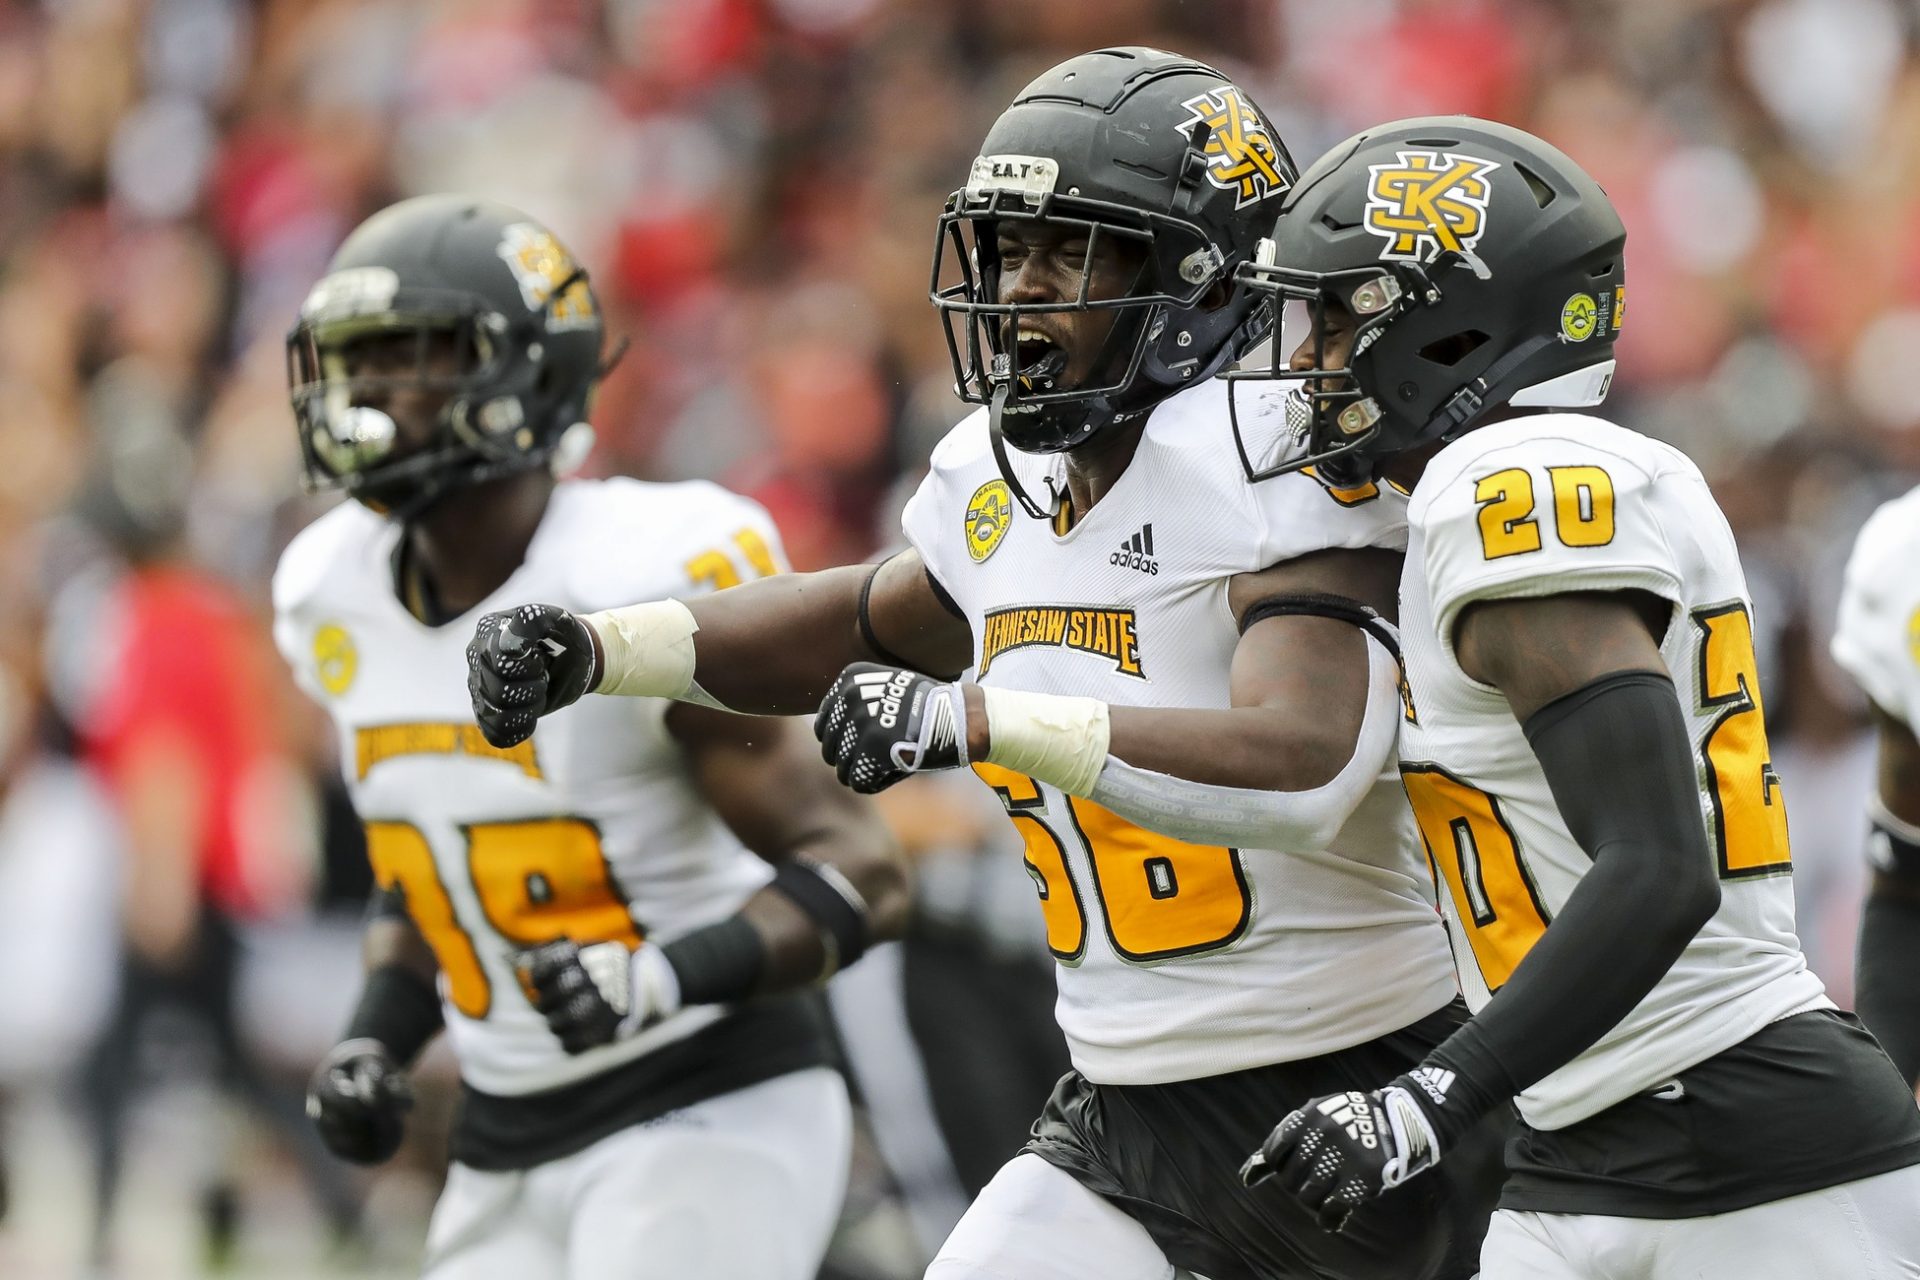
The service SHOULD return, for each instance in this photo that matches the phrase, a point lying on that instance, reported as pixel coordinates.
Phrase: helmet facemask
(1130, 373)
(480, 432)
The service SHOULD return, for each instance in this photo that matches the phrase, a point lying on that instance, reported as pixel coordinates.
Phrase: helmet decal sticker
(1241, 156)
(989, 515)
(1428, 203)
(540, 265)
(1579, 317)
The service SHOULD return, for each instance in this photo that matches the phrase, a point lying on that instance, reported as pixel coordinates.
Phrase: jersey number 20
(1484, 869)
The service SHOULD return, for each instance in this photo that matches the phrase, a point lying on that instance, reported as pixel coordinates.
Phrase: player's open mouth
(1038, 356)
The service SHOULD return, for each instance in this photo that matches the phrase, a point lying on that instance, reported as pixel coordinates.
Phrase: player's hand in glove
(1338, 1152)
(599, 993)
(358, 1100)
(525, 663)
(879, 724)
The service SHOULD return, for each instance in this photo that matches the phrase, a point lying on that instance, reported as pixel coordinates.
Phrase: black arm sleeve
(1620, 763)
(1887, 977)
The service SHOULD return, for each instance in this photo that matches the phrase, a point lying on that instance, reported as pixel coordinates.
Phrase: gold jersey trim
(1105, 633)
(376, 744)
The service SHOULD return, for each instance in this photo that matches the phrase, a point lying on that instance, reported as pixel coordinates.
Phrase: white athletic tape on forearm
(1306, 821)
(1057, 739)
(647, 652)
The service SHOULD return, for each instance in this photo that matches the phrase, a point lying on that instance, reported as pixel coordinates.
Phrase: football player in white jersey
(1180, 693)
(1877, 640)
(585, 911)
(1585, 751)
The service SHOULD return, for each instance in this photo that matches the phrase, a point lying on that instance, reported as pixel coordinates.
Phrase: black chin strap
(995, 408)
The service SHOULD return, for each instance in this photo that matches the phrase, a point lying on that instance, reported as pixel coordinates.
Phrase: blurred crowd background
(754, 184)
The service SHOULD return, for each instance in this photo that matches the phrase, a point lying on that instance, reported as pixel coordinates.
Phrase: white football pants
(1865, 1230)
(745, 1186)
(1034, 1220)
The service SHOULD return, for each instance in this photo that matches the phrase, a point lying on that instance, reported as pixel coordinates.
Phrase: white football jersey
(592, 828)
(1877, 638)
(1539, 506)
(1178, 961)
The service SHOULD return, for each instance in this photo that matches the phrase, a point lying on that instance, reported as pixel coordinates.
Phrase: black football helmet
(1481, 267)
(524, 322)
(1133, 143)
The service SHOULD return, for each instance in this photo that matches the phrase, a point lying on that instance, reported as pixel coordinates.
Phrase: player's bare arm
(764, 778)
(1299, 685)
(1887, 996)
(769, 647)
(359, 1095)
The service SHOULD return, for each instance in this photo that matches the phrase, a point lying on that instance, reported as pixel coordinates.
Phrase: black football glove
(879, 724)
(525, 663)
(1337, 1152)
(358, 1100)
(599, 993)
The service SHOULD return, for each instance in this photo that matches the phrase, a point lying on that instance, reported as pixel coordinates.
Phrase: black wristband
(398, 1008)
(1893, 846)
(718, 964)
(832, 903)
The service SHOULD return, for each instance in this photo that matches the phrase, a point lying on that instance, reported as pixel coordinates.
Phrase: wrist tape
(1049, 736)
(647, 652)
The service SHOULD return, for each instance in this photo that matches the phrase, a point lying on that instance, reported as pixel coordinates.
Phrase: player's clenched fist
(879, 724)
(1338, 1152)
(358, 1100)
(599, 993)
(525, 663)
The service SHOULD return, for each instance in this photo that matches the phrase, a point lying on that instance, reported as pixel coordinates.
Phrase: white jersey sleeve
(315, 647)
(713, 536)
(1877, 637)
(1539, 515)
(955, 482)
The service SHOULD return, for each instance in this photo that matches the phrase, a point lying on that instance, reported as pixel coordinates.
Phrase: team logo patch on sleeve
(540, 264)
(989, 516)
(335, 659)
(1105, 633)
(1428, 203)
(1241, 157)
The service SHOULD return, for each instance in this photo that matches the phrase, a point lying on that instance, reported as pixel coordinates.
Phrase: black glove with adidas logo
(1340, 1151)
(878, 724)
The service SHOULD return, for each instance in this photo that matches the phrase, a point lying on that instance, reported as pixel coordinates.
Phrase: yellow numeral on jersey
(1477, 857)
(402, 859)
(1582, 505)
(1160, 897)
(1749, 809)
(535, 881)
(1046, 861)
(716, 569)
(1507, 526)
(1582, 509)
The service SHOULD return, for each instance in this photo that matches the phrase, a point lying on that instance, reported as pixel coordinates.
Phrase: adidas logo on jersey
(1137, 552)
(1434, 1082)
(882, 694)
(1354, 1113)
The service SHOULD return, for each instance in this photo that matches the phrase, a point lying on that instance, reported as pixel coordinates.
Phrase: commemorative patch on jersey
(1241, 156)
(1105, 633)
(1428, 202)
(989, 516)
(335, 659)
(540, 264)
